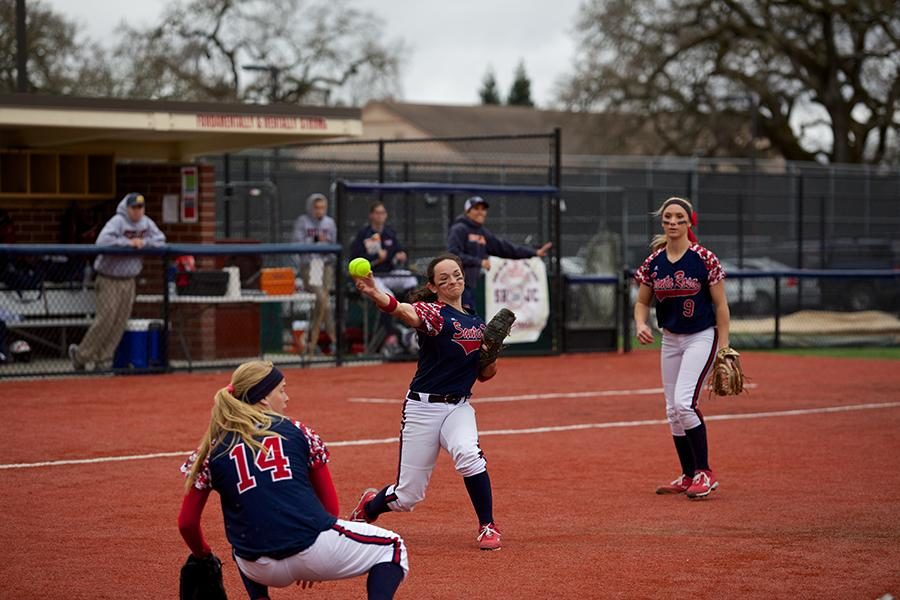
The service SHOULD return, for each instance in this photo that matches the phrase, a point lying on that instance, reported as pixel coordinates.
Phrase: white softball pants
(428, 427)
(686, 359)
(348, 549)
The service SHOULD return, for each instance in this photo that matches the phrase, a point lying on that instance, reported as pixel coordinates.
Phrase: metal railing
(48, 299)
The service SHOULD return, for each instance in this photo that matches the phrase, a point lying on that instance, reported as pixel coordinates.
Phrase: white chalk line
(526, 431)
(549, 396)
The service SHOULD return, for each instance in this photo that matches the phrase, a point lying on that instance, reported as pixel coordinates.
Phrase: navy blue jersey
(268, 502)
(681, 289)
(369, 242)
(449, 347)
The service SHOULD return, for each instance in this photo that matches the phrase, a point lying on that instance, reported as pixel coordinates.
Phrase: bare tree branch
(782, 63)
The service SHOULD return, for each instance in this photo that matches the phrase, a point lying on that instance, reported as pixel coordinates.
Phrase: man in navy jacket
(474, 243)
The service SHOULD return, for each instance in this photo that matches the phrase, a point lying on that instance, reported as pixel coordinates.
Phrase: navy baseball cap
(475, 201)
(134, 199)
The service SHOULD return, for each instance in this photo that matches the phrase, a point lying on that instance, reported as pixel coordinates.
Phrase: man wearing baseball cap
(474, 243)
(115, 283)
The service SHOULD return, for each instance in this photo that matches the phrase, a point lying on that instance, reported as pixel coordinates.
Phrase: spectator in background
(317, 270)
(470, 240)
(115, 284)
(378, 243)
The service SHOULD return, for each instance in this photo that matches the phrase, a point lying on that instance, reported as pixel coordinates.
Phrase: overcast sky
(452, 42)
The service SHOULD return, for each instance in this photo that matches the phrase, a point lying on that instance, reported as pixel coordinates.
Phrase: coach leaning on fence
(115, 285)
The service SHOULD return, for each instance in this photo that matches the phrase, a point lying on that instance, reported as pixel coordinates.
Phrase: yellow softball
(359, 267)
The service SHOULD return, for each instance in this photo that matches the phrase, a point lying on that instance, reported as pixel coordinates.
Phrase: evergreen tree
(520, 92)
(488, 91)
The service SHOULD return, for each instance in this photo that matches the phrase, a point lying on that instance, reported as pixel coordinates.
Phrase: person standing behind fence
(378, 243)
(470, 240)
(692, 311)
(115, 283)
(317, 270)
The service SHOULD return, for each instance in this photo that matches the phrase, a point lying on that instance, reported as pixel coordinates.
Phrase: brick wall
(207, 331)
(154, 180)
(39, 221)
(35, 226)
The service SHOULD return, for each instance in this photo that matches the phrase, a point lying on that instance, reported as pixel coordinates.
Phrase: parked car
(862, 253)
(756, 296)
(863, 293)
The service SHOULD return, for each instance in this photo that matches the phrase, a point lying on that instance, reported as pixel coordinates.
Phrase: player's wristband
(391, 305)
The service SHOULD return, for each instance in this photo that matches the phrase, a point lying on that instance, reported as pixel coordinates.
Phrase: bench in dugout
(44, 317)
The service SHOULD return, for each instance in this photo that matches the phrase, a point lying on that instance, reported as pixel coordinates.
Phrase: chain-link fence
(757, 216)
(190, 306)
(801, 215)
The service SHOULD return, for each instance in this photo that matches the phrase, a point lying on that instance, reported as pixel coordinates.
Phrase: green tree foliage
(520, 92)
(488, 92)
(818, 79)
(58, 61)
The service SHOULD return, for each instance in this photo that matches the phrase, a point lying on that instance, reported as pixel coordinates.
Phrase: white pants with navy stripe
(428, 427)
(686, 359)
(348, 549)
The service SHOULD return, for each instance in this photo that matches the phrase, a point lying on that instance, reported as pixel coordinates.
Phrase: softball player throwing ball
(692, 312)
(278, 499)
(436, 409)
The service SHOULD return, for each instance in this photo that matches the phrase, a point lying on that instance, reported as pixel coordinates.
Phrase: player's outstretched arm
(387, 303)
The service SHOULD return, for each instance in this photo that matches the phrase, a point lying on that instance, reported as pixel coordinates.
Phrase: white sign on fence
(520, 286)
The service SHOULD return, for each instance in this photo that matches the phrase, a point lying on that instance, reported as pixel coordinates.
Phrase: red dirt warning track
(809, 503)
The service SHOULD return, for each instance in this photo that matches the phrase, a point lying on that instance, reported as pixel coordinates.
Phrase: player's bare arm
(403, 311)
(642, 313)
(723, 313)
(487, 372)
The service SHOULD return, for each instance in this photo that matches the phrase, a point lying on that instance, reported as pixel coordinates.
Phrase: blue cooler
(140, 345)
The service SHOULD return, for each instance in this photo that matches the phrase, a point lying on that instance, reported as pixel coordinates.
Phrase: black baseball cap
(475, 201)
(134, 199)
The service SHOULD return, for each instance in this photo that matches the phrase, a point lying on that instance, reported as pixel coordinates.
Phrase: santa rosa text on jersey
(683, 300)
(449, 342)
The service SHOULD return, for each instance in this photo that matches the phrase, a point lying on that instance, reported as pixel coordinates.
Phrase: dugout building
(65, 163)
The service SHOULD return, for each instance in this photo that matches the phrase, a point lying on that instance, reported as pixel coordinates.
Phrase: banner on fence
(520, 286)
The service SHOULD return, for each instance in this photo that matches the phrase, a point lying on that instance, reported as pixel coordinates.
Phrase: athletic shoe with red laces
(704, 483)
(679, 486)
(489, 538)
(359, 513)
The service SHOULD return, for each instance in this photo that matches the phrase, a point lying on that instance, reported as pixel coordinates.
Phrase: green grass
(880, 352)
(885, 353)
(636, 345)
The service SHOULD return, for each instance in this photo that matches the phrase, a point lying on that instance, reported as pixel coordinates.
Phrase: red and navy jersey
(681, 289)
(269, 505)
(449, 347)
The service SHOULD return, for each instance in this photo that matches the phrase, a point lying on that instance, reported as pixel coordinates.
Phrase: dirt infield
(809, 503)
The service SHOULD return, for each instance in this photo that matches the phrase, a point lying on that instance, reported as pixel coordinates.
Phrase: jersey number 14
(274, 461)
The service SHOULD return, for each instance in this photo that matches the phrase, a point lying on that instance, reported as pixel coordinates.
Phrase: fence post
(800, 221)
(228, 193)
(339, 325)
(556, 224)
(164, 341)
(778, 312)
(626, 328)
